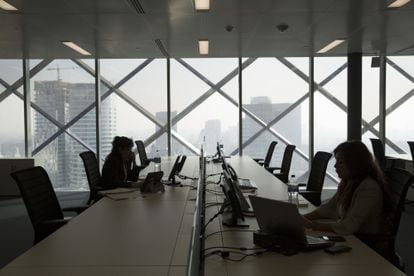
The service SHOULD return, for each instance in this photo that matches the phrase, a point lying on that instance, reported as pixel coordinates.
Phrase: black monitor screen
(233, 199)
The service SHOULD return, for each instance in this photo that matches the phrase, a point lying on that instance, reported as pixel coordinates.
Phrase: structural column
(27, 111)
(98, 109)
(169, 126)
(382, 98)
(311, 109)
(240, 107)
(354, 96)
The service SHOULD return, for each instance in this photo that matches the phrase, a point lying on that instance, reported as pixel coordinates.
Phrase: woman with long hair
(120, 166)
(358, 205)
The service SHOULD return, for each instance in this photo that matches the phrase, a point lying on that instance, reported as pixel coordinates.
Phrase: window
(11, 109)
(275, 107)
(204, 104)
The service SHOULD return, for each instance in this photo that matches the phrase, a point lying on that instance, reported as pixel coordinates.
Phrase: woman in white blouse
(358, 205)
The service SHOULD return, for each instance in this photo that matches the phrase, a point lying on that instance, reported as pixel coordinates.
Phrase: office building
(64, 101)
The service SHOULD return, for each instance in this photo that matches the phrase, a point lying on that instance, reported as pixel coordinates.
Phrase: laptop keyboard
(314, 240)
(247, 184)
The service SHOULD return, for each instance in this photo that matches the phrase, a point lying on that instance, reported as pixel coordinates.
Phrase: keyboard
(246, 184)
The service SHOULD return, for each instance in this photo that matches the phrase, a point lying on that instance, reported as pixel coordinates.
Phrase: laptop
(152, 183)
(283, 220)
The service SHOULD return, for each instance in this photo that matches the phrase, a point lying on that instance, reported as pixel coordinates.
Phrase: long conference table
(150, 235)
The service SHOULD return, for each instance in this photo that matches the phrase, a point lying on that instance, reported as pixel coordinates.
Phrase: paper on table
(123, 196)
(118, 191)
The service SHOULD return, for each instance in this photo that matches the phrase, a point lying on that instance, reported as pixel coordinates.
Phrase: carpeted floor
(16, 234)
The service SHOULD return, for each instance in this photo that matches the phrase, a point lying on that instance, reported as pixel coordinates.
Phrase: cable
(233, 247)
(225, 254)
(222, 231)
(187, 177)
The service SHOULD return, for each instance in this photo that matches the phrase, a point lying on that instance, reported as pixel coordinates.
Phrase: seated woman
(120, 166)
(357, 206)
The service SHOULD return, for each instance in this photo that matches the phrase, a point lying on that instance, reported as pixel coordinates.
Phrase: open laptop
(283, 219)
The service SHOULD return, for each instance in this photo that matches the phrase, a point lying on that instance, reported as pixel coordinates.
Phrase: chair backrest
(142, 153)
(269, 154)
(318, 171)
(411, 144)
(38, 195)
(379, 152)
(287, 159)
(398, 181)
(93, 173)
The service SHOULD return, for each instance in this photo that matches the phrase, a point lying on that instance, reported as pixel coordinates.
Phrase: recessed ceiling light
(202, 5)
(76, 48)
(398, 3)
(330, 46)
(6, 6)
(203, 46)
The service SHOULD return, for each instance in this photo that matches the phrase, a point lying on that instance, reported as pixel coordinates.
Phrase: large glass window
(204, 99)
(135, 92)
(11, 109)
(275, 107)
(399, 104)
(330, 119)
(64, 125)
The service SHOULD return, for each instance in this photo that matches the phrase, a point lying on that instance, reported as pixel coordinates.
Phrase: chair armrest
(48, 226)
(76, 209)
(312, 196)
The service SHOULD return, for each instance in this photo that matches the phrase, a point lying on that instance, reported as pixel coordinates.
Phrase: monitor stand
(228, 220)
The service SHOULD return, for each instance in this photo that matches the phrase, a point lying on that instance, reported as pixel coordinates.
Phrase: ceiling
(114, 29)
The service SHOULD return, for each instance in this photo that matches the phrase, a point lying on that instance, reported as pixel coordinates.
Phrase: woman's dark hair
(118, 143)
(360, 165)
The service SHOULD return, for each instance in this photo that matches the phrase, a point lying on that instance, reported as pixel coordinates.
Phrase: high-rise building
(64, 101)
(264, 109)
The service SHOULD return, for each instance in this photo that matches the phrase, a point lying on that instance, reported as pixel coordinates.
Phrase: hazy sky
(265, 77)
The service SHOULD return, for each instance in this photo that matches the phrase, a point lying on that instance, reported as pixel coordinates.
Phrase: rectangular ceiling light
(330, 46)
(6, 6)
(76, 48)
(398, 3)
(203, 46)
(202, 5)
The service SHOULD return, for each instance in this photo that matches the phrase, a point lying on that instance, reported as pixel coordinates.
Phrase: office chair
(379, 154)
(93, 175)
(266, 162)
(284, 169)
(316, 178)
(41, 202)
(411, 145)
(142, 154)
(397, 183)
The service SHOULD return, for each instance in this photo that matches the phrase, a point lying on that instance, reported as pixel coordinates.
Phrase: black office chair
(284, 169)
(379, 152)
(142, 154)
(316, 178)
(41, 202)
(398, 182)
(93, 175)
(266, 162)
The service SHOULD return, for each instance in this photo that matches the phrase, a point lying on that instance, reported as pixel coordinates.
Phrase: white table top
(360, 261)
(147, 235)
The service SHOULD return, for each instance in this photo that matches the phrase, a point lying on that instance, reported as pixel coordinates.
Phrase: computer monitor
(232, 207)
(171, 178)
(227, 168)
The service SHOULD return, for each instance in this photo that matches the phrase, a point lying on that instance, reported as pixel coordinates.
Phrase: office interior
(141, 72)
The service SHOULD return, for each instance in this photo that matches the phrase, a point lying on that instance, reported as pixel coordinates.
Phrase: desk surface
(147, 235)
(360, 261)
